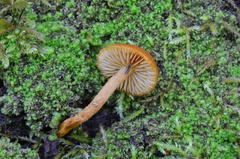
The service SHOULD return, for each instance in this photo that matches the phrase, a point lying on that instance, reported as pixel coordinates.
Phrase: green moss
(13, 150)
(187, 113)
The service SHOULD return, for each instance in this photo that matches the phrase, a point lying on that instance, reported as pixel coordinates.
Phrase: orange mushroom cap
(145, 72)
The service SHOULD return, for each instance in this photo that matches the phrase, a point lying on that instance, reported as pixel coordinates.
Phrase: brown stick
(96, 103)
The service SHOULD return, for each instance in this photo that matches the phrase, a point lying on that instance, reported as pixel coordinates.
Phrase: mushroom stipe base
(97, 103)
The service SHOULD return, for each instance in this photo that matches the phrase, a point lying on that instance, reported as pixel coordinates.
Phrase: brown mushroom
(129, 68)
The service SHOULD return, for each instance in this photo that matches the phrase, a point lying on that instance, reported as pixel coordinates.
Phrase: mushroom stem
(97, 103)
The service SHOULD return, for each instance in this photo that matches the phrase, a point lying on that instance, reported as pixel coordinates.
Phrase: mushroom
(128, 68)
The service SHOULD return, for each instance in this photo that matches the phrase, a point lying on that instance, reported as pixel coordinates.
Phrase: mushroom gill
(140, 81)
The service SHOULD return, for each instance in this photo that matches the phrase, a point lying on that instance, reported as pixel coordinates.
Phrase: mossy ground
(192, 112)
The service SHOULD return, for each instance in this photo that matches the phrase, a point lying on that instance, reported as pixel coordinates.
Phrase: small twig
(21, 14)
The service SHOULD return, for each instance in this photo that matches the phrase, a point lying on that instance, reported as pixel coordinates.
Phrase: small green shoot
(234, 108)
(81, 138)
(60, 153)
(104, 135)
(169, 83)
(209, 23)
(103, 156)
(195, 80)
(177, 147)
(119, 107)
(210, 91)
(133, 115)
(178, 125)
(178, 58)
(151, 41)
(66, 142)
(230, 29)
(217, 121)
(71, 153)
(192, 148)
(134, 152)
(208, 62)
(162, 101)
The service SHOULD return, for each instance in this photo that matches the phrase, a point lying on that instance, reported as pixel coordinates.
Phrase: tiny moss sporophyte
(129, 68)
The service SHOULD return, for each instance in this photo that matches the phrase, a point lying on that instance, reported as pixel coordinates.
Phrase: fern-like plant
(13, 30)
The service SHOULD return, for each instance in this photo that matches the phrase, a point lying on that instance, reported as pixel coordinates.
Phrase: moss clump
(121, 139)
(13, 150)
(55, 83)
